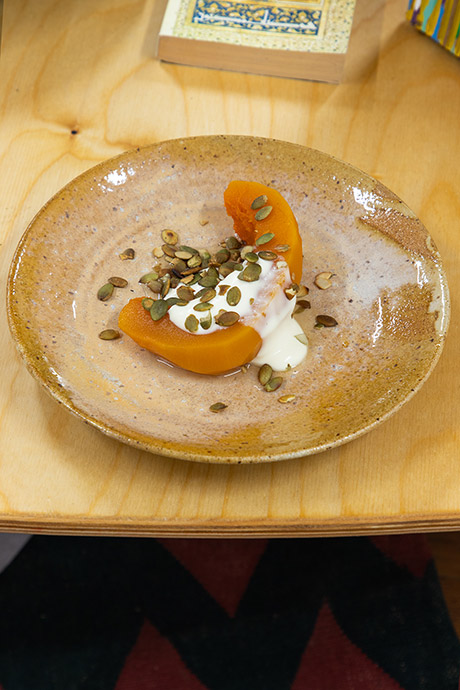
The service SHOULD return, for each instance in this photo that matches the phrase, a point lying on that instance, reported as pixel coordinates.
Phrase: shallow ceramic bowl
(388, 295)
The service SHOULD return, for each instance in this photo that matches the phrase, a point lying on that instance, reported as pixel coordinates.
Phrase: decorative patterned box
(288, 38)
(439, 19)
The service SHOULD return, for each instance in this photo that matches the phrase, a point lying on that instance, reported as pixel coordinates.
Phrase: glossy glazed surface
(388, 294)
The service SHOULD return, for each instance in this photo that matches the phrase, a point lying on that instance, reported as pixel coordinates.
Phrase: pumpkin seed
(302, 291)
(323, 280)
(109, 334)
(273, 384)
(265, 374)
(301, 305)
(158, 309)
(166, 284)
(302, 338)
(205, 256)
(203, 306)
(147, 303)
(171, 301)
(259, 202)
(291, 291)
(206, 294)
(169, 250)
(286, 398)
(194, 261)
(218, 407)
(252, 257)
(233, 296)
(105, 292)
(232, 242)
(158, 252)
(263, 212)
(227, 268)
(118, 282)
(281, 248)
(246, 250)
(169, 236)
(268, 256)
(263, 239)
(184, 255)
(206, 321)
(208, 281)
(250, 273)
(227, 318)
(325, 320)
(191, 323)
(127, 254)
(155, 286)
(222, 256)
(223, 288)
(153, 275)
(186, 293)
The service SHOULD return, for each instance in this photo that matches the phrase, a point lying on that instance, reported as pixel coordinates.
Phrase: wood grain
(79, 83)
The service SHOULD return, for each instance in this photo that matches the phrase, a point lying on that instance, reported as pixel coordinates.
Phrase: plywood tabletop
(79, 83)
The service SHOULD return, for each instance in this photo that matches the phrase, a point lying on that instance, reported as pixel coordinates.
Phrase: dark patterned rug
(295, 614)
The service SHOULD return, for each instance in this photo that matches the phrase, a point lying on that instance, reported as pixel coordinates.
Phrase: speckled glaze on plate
(389, 296)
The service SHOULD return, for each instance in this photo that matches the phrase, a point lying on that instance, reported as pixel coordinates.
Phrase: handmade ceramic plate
(388, 295)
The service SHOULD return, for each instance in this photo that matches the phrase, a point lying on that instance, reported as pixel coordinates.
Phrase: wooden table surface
(79, 83)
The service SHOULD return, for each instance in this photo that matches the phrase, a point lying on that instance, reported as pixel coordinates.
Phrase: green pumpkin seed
(206, 294)
(168, 250)
(223, 289)
(158, 309)
(326, 321)
(147, 303)
(259, 202)
(273, 384)
(233, 296)
(263, 239)
(227, 268)
(263, 213)
(302, 338)
(206, 321)
(222, 256)
(218, 407)
(252, 257)
(127, 254)
(250, 273)
(171, 301)
(179, 265)
(203, 306)
(265, 374)
(165, 285)
(186, 293)
(191, 323)
(155, 286)
(184, 254)
(194, 261)
(227, 318)
(281, 248)
(105, 292)
(118, 282)
(208, 281)
(301, 305)
(267, 256)
(169, 236)
(109, 334)
(232, 242)
(147, 277)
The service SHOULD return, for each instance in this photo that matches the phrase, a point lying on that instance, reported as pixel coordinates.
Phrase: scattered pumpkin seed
(194, 261)
(118, 282)
(153, 275)
(203, 306)
(227, 318)
(191, 323)
(186, 293)
(155, 286)
(291, 291)
(206, 294)
(263, 239)
(222, 256)
(286, 398)
(158, 309)
(169, 236)
(273, 384)
(169, 250)
(265, 374)
(302, 291)
(223, 288)
(171, 301)
(105, 292)
(208, 281)
(233, 296)
(263, 212)
(158, 252)
(267, 256)
(250, 273)
(205, 256)
(184, 254)
(127, 254)
(147, 303)
(232, 242)
(218, 407)
(188, 279)
(302, 338)
(206, 321)
(109, 334)
(325, 320)
(281, 248)
(252, 257)
(301, 305)
(166, 284)
(246, 250)
(227, 268)
(323, 280)
(259, 202)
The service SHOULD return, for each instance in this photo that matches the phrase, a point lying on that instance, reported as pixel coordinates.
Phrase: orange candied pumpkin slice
(213, 353)
(240, 199)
